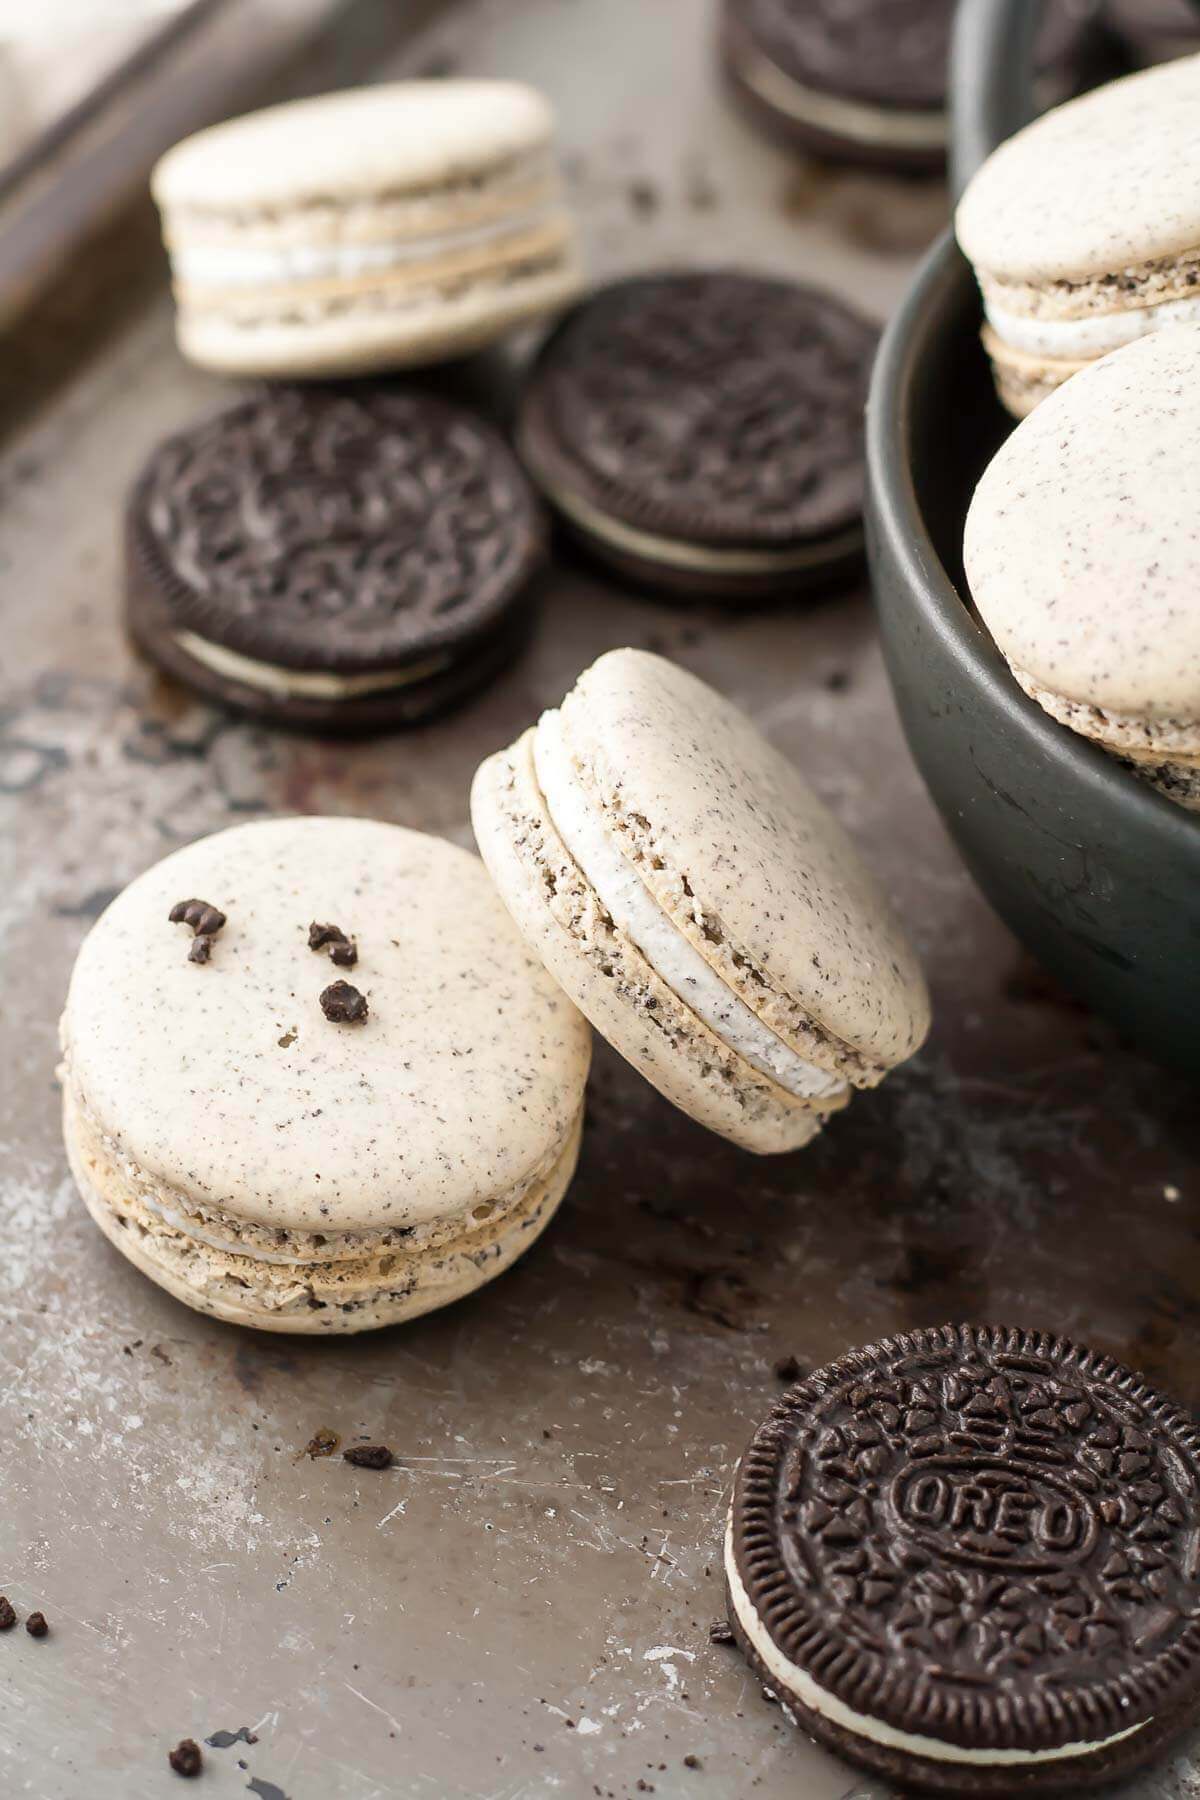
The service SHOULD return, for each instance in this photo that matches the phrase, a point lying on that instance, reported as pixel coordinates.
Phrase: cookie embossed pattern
(969, 1559)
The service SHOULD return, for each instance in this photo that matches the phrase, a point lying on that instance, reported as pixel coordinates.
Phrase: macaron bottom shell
(609, 979)
(315, 1299)
(373, 331)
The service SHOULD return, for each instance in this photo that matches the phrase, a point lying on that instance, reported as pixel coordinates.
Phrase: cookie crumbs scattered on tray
(186, 1758)
(343, 1004)
(8, 1617)
(36, 1625)
(369, 1456)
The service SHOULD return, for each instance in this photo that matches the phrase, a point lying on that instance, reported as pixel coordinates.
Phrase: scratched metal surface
(521, 1606)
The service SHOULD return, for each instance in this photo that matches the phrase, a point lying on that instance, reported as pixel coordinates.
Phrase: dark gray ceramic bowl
(1095, 872)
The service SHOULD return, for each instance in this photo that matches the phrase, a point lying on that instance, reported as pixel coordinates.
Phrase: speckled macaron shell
(1082, 550)
(384, 227)
(1108, 181)
(226, 1082)
(747, 862)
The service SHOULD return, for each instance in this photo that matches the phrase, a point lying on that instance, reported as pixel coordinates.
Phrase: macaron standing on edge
(688, 890)
(1082, 554)
(379, 228)
(313, 1080)
(334, 560)
(1084, 230)
(701, 431)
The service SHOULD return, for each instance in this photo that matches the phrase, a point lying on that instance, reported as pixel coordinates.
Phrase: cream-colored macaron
(686, 887)
(1084, 229)
(1082, 551)
(271, 1149)
(379, 228)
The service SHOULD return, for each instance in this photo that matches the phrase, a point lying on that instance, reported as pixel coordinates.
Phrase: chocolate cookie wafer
(702, 431)
(337, 560)
(966, 1559)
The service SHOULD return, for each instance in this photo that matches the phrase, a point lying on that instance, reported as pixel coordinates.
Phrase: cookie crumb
(8, 1617)
(720, 1633)
(342, 949)
(186, 1758)
(36, 1625)
(205, 921)
(369, 1456)
(692, 1762)
(201, 950)
(343, 1004)
(321, 1443)
(788, 1369)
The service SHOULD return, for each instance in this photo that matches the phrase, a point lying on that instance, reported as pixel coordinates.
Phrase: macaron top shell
(394, 138)
(1097, 186)
(226, 1080)
(1082, 544)
(746, 851)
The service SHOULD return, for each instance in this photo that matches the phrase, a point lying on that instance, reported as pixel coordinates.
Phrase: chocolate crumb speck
(186, 1758)
(343, 1004)
(8, 1617)
(205, 920)
(720, 1633)
(692, 1762)
(201, 950)
(288, 1039)
(788, 1369)
(322, 1443)
(369, 1456)
(342, 949)
(36, 1625)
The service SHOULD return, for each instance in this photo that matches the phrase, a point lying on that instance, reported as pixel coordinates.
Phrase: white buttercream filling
(303, 684)
(256, 264)
(1081, 339)
(636, 913)
(794, 1682)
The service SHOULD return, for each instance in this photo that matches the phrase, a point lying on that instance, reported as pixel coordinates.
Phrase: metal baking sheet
(520, 1607)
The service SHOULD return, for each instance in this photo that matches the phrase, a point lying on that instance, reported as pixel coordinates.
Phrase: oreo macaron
(381, 228)
(688, 890)
(313, 1080)
(337, 561)
(1082, 554)
(1084, 230)
(965, 1559)
(702, 431)
(864, 81)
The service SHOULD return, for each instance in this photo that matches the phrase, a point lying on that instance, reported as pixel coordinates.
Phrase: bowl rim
(899, 532)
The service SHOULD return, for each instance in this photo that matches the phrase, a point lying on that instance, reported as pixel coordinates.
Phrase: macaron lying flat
(694, 898)
(1082, 552)
(373, 229)
(701, 431)
(313, 1079)
(965, 1558)
(1084, 230)
(333, 560)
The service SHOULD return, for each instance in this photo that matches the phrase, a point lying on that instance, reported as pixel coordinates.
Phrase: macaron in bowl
(688, 890)
(1082, 553)
(313, 1080)
(379, 228)
(1084, 230)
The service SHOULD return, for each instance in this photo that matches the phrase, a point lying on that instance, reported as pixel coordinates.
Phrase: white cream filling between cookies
(303, 684)
(794, 1682)
(885, 127)
(255, 264)
(636, 913)
(1080, 339)
(675, 552)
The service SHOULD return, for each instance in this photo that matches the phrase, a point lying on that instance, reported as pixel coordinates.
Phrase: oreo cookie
(968, 1559)
(702, 432)
(864, 81)
(338, 560)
